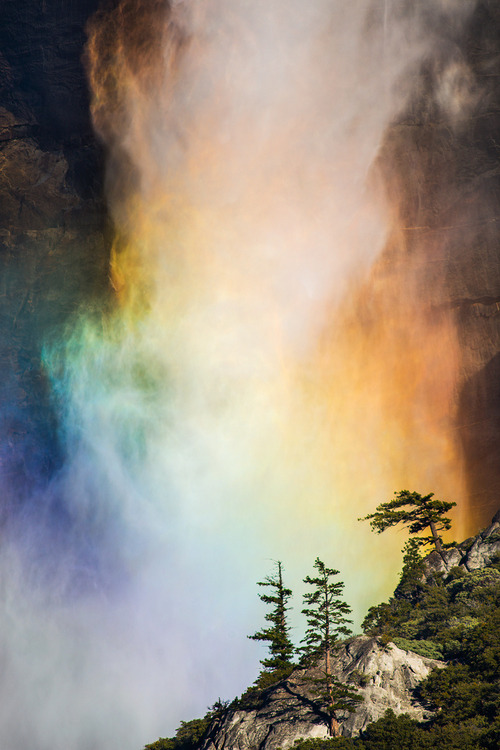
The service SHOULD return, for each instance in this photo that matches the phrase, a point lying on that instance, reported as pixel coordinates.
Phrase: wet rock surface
(43, 80)
(447, 204)
(53, 225)
(441, 161)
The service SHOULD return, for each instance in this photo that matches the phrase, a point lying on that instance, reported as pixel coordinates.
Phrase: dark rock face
(441, 162)
(43, 81)
(442, 174)
(53, 244)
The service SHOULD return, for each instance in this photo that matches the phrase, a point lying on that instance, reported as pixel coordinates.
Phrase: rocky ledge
(472, 554)
(385, 677)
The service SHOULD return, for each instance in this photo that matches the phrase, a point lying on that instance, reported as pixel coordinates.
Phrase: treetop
(411, 509)
(415, 511)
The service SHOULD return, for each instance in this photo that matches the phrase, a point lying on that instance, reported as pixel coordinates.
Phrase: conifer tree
(416, 512)
(412, 574)
(279, 662)
(327, 621)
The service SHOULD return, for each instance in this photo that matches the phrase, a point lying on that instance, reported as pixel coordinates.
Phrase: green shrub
(428, 649)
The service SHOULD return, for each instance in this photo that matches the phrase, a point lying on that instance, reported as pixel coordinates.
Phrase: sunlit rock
(385, 677)
(471, 554)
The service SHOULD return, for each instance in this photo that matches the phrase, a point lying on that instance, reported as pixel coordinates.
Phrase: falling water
(261, 376)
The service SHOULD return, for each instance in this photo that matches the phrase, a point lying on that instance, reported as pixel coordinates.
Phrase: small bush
(428, 649)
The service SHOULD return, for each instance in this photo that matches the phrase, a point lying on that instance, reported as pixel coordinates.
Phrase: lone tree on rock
(279, 662)
(416, 512)
(327, 620)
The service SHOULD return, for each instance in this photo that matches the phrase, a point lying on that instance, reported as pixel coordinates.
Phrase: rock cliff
(441, 166)
(385, 677)
(441, 171)
(472, 554)
(53, 224)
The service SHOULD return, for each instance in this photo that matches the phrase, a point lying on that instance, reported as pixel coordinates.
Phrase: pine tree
(279, 662)
(416, 512)
(412, 575)
(327, 620)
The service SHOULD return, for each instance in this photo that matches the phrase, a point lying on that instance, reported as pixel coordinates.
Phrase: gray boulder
(472, 554)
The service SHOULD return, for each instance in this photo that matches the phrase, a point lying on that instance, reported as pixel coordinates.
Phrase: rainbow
(258, 378)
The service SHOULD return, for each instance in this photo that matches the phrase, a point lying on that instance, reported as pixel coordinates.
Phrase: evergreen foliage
(441, 611)
(327, 620)
(412, 574)
(416, 512)
(456, 616)
(453, 616)
(333, 743)
(326, 613)
(190, 734)
(281, 650)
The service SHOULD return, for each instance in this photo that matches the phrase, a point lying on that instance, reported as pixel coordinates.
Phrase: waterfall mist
(264, 373)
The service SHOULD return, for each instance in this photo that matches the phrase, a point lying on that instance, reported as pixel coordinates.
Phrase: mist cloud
(205, 429)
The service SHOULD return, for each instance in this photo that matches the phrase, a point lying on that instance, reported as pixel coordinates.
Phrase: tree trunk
(334, 727)
(437, 541)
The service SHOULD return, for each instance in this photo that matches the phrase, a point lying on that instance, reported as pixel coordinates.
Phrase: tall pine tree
(279, 662)
(327, 621)
(417, 512)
